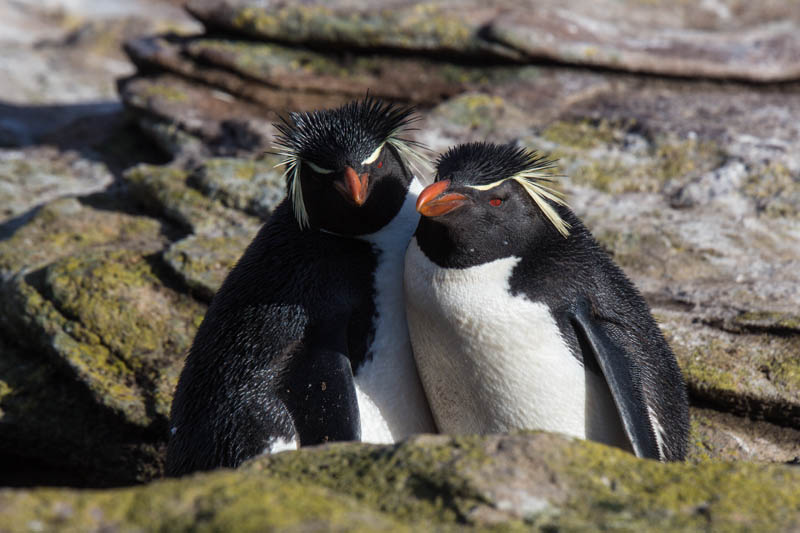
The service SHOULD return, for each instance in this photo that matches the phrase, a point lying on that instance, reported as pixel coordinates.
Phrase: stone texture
(536, 481)
(31, 177)
(692, 185)
(448, 28)
(733, 39)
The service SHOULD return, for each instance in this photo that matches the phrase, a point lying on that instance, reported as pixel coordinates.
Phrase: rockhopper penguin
(519, 319)
(306, 341)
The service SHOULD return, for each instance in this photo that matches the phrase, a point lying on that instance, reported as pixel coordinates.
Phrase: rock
(724, 436)
(730, 40)
(54, 432)
(32, 177)
(203, 261)
(742, 41)
(226, 125)
(255, 187)
(454, 29)
(165, 191)
(522, 481)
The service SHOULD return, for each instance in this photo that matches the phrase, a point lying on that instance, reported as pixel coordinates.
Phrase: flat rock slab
(731, 39)
(32, 177)
(524, 481)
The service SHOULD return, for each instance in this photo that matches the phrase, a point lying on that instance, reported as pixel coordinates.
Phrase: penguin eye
(495, 202)
(318, 169)
(380, 164)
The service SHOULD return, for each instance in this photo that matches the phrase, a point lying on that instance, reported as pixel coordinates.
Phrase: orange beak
(353, 187)
(432, 202)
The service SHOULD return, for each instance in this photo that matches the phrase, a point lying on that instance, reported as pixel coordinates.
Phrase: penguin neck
(396, 234)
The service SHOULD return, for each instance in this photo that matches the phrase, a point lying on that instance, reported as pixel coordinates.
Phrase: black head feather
(332, 138)
(481, 163)
(484, 166)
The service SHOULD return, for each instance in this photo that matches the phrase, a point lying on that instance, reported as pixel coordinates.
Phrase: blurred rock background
(135, 168)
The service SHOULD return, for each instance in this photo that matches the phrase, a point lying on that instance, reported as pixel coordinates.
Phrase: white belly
(493, 362)
(391, 400)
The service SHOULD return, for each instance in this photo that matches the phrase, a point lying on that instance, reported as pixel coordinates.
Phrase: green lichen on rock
(65, 226)
(613, 488)
(203, 261)
(751, 374)
(767, 321)
(73, 345)
(612, 156)
(775, 190)
(223, 501)
(33, 176)
(477, 116)
(253, 186)
(49, 417)
(498, 482)
(109, 319)
(418, 27)
(418, 480)
(164, 189)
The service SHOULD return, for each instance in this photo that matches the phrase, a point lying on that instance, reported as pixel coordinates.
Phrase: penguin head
(489, 201)
(347, 169)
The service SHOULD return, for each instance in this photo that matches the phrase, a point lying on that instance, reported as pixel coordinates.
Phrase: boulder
(537, 481)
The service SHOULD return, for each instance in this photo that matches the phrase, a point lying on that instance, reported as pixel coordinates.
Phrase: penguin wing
(321, 396)
(622, 377)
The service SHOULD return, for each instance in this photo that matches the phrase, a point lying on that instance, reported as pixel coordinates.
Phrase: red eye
(380, 164)
(495, 201)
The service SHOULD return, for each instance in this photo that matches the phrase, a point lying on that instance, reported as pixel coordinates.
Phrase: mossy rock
(717, 435)
(515, 482)
(753, 374)
(109, 319)
(415, 27)
(164, 190)
(32, 177)
(225, 501)
(203, 261)
(614, 156)
(56, 430)
(253, 186)
(65, 226)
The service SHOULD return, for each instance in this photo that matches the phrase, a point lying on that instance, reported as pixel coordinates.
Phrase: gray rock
(533, 481)
(32, 177)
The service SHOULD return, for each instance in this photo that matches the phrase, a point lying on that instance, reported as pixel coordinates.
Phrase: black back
(230, 402)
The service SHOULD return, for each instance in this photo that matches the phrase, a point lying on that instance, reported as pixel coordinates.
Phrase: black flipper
(622, 378)
(321, 396)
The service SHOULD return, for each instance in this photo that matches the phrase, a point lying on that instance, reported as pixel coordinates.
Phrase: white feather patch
(391, 400)
(491, 361)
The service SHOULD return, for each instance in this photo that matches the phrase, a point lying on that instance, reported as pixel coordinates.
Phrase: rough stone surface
(109, 253)
(726, 39)
(31, 177)
(536, 481)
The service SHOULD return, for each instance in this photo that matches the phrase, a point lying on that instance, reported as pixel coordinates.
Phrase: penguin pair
(519, 320)
(306, 340)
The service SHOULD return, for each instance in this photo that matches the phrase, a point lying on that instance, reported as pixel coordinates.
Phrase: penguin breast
(490, 361)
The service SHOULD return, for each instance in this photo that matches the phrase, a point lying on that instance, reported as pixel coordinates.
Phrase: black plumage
(274, 359)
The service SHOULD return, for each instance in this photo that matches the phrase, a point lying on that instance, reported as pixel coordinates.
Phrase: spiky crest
(332, 138)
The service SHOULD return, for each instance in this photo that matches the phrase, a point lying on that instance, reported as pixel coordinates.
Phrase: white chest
(493, 362)
(391, 399)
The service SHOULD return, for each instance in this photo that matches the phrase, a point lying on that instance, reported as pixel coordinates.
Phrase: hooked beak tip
(432, 202)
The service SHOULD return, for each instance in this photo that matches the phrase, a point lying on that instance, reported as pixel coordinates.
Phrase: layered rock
(692, 185)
